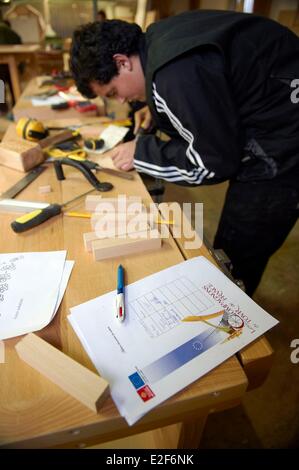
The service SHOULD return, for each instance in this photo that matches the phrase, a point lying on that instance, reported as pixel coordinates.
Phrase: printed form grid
(163, 308)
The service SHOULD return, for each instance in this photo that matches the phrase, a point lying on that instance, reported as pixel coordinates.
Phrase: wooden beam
(21, 155)
(115, 247)
(78, 381)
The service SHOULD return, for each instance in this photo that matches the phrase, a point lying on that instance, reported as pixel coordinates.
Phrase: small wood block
(44, 189)
(120, 204)
(88, 238)
(111, 232)
(114, 247)
(78, 381)
(21, 154)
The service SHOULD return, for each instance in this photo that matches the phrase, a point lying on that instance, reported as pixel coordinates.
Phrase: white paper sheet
(68, 267)
(112, 136)
(56, 99)
(153, 354)
(31, 289)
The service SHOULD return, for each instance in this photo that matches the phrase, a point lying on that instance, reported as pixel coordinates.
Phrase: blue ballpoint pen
(120, 298)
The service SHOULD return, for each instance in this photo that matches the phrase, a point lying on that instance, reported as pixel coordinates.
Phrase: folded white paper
(31, 288)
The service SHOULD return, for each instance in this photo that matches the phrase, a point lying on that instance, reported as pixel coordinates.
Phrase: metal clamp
(224, 263)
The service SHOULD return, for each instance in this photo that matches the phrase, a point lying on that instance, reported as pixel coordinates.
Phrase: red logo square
(145, 393)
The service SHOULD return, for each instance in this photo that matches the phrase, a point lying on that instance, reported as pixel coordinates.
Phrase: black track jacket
(219, 84)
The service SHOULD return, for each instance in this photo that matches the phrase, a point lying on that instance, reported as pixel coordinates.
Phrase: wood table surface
(35, 413)
(24, 106)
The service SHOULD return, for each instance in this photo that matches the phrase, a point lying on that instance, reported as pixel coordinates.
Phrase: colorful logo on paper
(136, 380)
(144, 391)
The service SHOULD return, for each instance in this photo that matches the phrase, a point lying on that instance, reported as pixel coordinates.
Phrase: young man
(220, 84)
(7, 36)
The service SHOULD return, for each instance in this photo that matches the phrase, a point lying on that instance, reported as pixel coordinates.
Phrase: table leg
(14, 76)
(191, 432)
(34, 65)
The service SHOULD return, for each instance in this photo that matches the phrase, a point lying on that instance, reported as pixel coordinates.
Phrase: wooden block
(81, 383)
(88, 238)
(11, 133)
(120, 204)
(110, 232)
(20, 154)
(114, 247)
(44, 189)
(119, 224)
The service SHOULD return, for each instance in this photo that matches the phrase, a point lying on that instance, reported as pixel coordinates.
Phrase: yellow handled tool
(85, 215)
(77, 154)
(94, 144)
(37, 217)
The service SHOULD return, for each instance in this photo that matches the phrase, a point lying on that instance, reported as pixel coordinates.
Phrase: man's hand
(142, 117)
(123, 155)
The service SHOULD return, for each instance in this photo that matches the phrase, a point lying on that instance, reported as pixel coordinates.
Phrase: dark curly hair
(93, 48)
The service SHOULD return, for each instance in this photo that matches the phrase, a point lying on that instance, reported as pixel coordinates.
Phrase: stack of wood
(120, 226)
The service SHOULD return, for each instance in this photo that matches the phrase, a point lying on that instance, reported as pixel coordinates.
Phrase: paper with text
(31, 288)
(180, 323)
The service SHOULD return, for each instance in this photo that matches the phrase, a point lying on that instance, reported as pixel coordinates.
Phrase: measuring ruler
(23, 183)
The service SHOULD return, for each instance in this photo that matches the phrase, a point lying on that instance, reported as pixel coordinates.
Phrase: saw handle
(35, 218)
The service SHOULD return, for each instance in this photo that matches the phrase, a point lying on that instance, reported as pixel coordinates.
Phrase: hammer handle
(56, 139)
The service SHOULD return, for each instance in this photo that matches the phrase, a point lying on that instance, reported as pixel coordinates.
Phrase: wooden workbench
(25, 108)
(34, 413)
(12, 54)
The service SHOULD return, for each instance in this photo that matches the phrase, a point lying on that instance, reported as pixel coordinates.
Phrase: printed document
(180, 323)
(31, 289)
